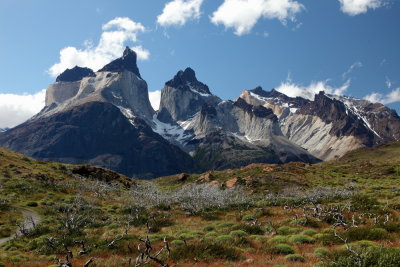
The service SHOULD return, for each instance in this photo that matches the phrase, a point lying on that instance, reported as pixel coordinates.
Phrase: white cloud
(15, 109)
(111, 45)
(293, 90)
(242, 15)
(355, 65)
(392, 97)
(356, 7)
(178, 12)
(155, 97)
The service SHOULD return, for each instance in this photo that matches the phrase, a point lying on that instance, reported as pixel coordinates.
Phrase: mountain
(2, 130)
(101, 119)
(105, 118)
(221, 134)
(329, 126)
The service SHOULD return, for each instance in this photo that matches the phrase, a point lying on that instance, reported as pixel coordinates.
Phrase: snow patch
(358, 114)
(128, 114)
(197, 92)
(169, 131)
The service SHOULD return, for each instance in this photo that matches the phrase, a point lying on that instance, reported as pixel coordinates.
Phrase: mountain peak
(126, 62)
(128, 52)
(187, 80)
(74, 74)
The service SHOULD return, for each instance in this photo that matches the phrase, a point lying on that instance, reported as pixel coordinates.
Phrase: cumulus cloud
(111, 45)
(178, 12)
(242, 15)
(155, 97)
(15, 109)
(292, 89)
(392, 97)
(356, 7)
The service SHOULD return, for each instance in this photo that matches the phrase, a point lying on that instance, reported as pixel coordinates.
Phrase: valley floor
(339, 213)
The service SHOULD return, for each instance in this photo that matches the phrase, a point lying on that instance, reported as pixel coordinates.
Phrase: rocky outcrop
(125, 63)
(75, 74)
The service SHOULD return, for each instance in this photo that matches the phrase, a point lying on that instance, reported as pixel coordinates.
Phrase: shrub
(286, 230)
(252, 229)
(310, 232)
(363, 244)
(370, 257)
(225, 224)
(224, 239)
(187, 236)
(204, 251)
(238, 233)
(301, 239)
(295, 257)
(32, 204)
(208, 228)
(327, 239)
(282, 249)
(178, 242)
(211, 234)
(363, 203)
(366, 233)
(321, 253)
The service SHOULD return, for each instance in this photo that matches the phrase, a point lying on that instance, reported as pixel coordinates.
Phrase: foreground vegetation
(339, 213)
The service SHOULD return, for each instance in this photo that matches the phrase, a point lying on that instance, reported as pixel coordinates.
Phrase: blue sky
(347, 47)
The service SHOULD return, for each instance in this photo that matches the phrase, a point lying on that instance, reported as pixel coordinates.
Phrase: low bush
(282, 249)
(178, 242)
(238, 233)
(204, 251)
(309, 232)
(321, 253)
(295, 257)
(208, 228)
(369, 257)
(286, 230)
(366, 233)
(32, 204)
(251, 229)
(301, 239)
(224, 239)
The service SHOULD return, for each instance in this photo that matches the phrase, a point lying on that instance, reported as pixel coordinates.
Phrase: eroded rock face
(183, 96)
(118, 85)
(329, 126)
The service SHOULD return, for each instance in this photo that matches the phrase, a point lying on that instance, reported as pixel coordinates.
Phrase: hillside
(333, 213)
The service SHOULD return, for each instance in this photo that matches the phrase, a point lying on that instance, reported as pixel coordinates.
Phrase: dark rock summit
(125, 63)
(75, 74)
(186, 80)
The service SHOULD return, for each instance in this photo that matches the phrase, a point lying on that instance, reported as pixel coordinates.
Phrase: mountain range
(105, 118)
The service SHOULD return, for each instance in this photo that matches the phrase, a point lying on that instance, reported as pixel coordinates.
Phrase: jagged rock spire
(126, 62)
